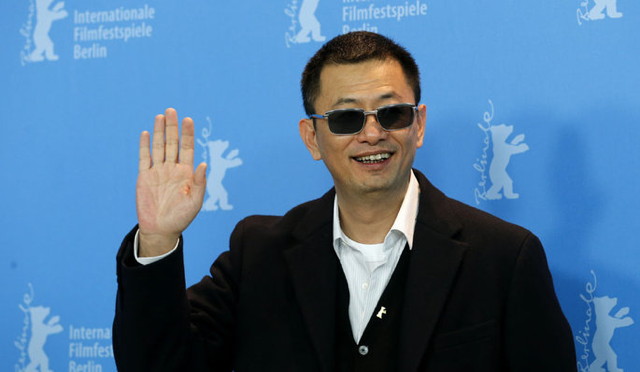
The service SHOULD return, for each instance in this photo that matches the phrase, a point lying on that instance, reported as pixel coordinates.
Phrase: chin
(375, 187)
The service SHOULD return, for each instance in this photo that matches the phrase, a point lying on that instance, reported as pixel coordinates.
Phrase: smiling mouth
(372, 159)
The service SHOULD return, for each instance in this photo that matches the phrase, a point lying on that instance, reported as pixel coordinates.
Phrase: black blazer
(479, 297)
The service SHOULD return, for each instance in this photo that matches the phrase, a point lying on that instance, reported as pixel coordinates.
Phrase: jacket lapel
(312, 263)
(435, 259)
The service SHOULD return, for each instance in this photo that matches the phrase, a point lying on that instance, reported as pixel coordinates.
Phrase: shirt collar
(405, 222)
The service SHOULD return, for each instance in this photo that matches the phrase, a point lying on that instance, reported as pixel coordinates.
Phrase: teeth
(373, 158)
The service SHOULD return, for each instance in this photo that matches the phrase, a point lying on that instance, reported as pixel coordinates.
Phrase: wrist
(152, 245)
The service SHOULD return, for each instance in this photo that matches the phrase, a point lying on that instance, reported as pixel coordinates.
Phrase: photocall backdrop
(533, 112)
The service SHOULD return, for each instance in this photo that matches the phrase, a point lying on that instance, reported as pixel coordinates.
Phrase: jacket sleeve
(537, 334)
(161, 326)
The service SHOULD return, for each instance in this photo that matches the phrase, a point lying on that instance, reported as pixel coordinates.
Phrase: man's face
(367, 85)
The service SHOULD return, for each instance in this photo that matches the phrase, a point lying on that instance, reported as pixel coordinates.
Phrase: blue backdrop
(533, 112)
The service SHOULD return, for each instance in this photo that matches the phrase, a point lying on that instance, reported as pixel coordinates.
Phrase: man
(382, 273)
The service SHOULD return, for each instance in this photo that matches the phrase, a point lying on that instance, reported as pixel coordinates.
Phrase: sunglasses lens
(396, 116)
(346, 121)
(351, 121)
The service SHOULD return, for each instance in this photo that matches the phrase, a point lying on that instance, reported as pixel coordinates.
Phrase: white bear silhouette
(38, 360)
(502, 152)
(600, 5)
(219, 165)
(605, 326)
(309, 22)
(44, 19)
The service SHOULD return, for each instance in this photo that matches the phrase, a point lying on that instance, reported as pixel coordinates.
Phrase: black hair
(355, 47)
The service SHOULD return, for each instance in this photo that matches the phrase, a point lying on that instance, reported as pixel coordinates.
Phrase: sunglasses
(352, 120)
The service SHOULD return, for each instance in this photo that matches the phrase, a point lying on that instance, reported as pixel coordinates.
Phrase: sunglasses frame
(365, 114)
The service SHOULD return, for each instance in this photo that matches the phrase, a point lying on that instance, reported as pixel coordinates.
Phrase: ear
(309, 137)
(422, 124)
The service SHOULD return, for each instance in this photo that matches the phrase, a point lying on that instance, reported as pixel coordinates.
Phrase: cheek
(332, 146)
(334, 153)
(414, 139)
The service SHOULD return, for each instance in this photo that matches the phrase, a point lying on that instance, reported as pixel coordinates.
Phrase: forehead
(369, 82)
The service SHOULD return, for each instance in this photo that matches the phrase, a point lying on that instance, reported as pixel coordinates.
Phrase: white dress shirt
(368, 267)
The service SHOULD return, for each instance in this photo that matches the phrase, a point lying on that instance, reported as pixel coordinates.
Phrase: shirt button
(365, 285)
(363, 350)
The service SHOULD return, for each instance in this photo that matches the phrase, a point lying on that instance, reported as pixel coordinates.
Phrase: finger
(200, 180)
(157, 153)
(171, 133)
(144, 161)
(187, 144)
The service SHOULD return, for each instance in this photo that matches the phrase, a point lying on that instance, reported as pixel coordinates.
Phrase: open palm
(169, 193)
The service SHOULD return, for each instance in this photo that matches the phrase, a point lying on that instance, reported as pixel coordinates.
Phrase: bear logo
(40, 331)
(606, 324)
(597, 12)
(45, 16)
(217, 194)
(309, 23)
(502, 152)
(213, 153)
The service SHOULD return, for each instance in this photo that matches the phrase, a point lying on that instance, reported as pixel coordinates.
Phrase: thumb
(200, 178)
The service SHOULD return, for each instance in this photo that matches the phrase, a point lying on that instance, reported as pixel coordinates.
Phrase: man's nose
(372, 131)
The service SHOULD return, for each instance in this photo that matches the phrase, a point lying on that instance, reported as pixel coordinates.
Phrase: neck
(367, 218)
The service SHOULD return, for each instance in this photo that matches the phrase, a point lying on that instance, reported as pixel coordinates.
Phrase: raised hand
(169, 193)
